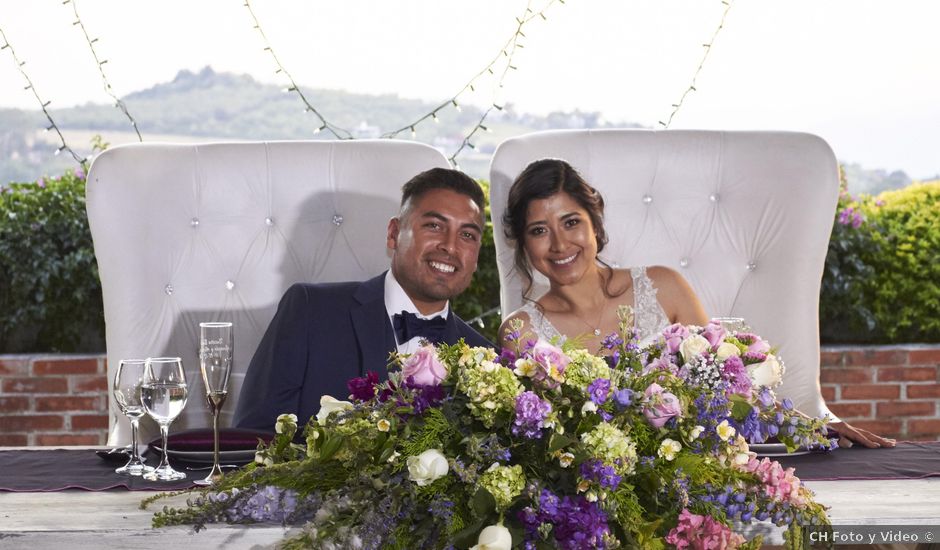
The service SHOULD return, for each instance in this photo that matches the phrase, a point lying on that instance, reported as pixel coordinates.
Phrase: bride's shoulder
(662, 275)
(522, 315)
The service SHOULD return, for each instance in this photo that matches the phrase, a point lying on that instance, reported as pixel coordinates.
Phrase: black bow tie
(408, 325)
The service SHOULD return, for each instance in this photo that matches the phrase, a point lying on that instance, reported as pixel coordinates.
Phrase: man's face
(436, 242)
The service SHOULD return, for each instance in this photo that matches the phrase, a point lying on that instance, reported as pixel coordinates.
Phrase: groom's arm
(275, 376)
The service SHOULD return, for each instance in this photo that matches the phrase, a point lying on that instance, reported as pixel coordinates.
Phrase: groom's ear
(391, 239)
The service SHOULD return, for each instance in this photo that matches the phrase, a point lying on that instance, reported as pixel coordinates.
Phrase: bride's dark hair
(542, 179)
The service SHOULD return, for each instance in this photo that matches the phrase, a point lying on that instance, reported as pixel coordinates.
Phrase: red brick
(925, 356)
(69, 403)
(90, 384)
(14, 403)
(886, 428)
(907, 408)
(14, 366)
(831, 358)
(65, 366)
(829, 393)
(863, 357)
(36, 385)
(846, 376)
(924, 426)
(851, 410)
(923, 390)
(871, 391)
(68, 439)
(29, 423)
(13, 440)
(89, 422)
(912, 374)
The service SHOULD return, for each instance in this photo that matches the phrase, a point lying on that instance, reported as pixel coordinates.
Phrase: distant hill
(208, 105)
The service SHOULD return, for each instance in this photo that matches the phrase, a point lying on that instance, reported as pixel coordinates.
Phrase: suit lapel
(372, 327)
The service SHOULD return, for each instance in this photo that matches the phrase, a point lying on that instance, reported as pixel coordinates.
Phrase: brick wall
(63, 400)
(890, 390)
(53, 400)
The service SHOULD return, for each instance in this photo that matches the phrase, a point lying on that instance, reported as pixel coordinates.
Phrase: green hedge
(881, 283)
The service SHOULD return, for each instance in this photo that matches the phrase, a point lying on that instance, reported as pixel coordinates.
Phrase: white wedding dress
(649, 317)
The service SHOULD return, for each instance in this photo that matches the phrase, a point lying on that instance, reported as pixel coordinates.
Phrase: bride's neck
(585, 295)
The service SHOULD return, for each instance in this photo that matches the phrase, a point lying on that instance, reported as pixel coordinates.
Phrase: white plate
(772, 450)
(241, 456)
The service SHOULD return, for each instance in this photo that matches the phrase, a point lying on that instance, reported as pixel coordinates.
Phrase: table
(111, 519)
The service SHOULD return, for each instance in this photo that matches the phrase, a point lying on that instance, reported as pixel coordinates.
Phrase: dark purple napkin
(908, 460)
(201, 440)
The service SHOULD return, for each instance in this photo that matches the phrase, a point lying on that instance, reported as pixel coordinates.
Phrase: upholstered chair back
(745, 217)
(217, 232)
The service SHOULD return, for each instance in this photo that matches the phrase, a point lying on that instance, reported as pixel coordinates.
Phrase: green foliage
(882, 278)
(50, 296)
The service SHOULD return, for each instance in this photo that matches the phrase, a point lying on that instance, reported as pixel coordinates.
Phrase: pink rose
(660, 363)
(659, 405)
(424, 368)
(759, 346)
(547, 356)
(674, 335)
(714, 334)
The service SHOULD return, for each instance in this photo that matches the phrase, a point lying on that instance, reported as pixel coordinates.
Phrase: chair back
(745, 217)
(217, 232)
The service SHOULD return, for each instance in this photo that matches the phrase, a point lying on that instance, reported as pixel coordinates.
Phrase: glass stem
(164, 429)
(135, 458)
(215, 434)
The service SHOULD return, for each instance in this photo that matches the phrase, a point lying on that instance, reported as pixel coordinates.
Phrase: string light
(100, 64)
(43, 104)
(337, 132)
(708, 48)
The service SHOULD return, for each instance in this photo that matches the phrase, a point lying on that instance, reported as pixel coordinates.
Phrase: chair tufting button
(714, 197)
(647, 199)
(194, 222)
(751, 266)
(269, 222)
(337, 220)
(684, 262)
(230, 284)
(168, 289)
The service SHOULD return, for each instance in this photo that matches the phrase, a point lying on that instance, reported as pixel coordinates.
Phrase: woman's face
(559, 239)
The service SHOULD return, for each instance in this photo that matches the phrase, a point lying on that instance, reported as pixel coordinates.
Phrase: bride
(555, 219)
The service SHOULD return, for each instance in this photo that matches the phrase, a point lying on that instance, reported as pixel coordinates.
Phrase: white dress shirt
(396, 301)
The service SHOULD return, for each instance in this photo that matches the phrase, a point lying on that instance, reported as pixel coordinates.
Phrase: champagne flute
(216, 341)
(163, 394)
(732, 324)
(126, 389)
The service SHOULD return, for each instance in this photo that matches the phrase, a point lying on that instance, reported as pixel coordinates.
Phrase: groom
(325, 334)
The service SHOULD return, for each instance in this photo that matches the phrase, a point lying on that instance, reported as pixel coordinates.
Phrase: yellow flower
(524, 367)
(668, 449)
(383, 425)
(725, 430)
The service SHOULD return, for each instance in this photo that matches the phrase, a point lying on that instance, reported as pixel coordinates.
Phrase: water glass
(126, 389)
(732, 324)
(164, 394)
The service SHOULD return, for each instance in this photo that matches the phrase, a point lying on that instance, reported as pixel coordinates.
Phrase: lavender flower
(623, 398)
(531, 413)
(599, 389)
(605, 476)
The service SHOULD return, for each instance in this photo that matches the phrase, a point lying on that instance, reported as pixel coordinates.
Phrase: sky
(863, 74)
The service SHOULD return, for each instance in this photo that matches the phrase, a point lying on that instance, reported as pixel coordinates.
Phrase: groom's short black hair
(442, 178)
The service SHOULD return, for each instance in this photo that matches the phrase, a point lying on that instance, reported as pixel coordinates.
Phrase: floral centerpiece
(539, 447)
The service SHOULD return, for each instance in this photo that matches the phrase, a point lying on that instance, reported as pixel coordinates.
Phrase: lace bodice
(649, 317)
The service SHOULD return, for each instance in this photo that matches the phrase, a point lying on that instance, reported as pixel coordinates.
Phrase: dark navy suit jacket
(321, 336)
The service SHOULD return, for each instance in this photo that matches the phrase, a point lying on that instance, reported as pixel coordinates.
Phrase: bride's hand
(850, 434)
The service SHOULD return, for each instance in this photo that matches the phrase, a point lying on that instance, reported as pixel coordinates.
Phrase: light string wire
(42, 104)
(100, 64)
(338, 132)
(708, 48)
(507, 52)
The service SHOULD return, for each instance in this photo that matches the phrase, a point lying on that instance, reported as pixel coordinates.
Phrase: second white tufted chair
(745, 217)
(190, 233)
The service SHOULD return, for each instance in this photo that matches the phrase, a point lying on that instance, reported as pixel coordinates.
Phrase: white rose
(330, 405)
(767, 373)
(283, 421)
(726, 350)
(494, 537)
(427, 466)
(692, 346)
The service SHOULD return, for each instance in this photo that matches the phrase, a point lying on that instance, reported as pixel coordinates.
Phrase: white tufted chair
(744, 216)
(190, 233)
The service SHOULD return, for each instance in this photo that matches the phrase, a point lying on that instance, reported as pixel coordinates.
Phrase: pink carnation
(702, 532)
(424, 368)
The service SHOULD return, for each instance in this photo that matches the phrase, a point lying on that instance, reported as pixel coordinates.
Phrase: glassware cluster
(157, 387)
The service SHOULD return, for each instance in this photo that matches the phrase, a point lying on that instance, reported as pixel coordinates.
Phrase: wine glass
(163, 394)
(732, 324)
(216, 341)
(126, 389)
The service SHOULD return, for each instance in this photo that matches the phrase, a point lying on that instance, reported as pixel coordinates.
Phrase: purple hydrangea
(531, 413)
(605, 476)
(577, 523)
(599, 389)
(623, 398)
